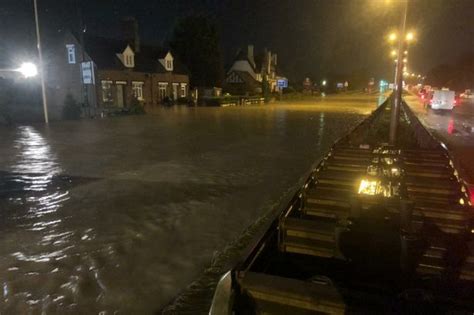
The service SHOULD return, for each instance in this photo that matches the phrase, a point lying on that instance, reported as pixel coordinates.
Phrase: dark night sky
(313, 38)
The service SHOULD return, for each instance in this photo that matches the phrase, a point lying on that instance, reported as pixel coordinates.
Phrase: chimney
(250, 54)
(130, 33)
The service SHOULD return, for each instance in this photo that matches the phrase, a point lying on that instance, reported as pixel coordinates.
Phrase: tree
(196, 43)
(458, 76)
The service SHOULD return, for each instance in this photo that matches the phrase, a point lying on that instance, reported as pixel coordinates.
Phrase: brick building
(110, 73)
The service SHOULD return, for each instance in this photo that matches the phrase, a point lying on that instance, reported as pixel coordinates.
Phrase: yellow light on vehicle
(368, 187)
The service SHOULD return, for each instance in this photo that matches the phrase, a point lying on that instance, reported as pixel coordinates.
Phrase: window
(128, 60)
(169, 65)
(183, 90)
(107, 91)
(162, 89)
(71, 53)
(137, 90)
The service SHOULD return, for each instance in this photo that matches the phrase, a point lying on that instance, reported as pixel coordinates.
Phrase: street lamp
(324, 83)
(392, 37)
(28, 69)
(395, 114)
(410, 36)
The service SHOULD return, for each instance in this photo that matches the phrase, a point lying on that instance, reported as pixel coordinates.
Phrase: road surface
(454, 128)
(122, 214)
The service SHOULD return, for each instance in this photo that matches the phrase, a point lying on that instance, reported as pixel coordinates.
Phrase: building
(246, 75)
(110, 74)
(148, 74)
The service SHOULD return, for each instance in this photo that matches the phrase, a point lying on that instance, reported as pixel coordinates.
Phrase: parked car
(467, 94)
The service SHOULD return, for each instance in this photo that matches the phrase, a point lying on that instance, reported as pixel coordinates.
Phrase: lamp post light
(28, 69)
(395, 114)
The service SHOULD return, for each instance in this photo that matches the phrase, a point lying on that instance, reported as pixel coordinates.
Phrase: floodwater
(121, 215)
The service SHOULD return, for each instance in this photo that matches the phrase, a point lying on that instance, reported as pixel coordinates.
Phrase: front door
(120, 101)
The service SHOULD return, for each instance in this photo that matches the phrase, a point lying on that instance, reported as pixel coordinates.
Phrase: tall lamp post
(41, 67)
(395, 114)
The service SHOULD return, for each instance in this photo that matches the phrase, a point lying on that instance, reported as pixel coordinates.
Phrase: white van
(443, 99)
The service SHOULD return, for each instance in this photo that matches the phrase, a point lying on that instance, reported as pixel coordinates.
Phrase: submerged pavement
(123, 214)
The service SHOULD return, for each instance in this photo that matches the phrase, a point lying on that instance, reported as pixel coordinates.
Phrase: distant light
(410, 36)
(392, 37)
(406, 52)
(393, 53)
(324, 83)
(405, 60)
(28, 69)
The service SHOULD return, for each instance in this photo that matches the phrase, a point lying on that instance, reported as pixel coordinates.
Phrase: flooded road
(121, 215)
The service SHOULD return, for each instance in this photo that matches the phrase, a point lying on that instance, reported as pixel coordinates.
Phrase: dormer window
(127, 57)
(167, 62)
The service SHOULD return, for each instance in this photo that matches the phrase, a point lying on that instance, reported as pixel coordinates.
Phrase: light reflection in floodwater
(120, 215)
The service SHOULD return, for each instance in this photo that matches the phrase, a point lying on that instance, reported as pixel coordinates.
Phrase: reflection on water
(34, 234)
(122, 214)
(34, 155)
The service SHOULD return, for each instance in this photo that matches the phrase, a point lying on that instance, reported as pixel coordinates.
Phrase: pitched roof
(104, 53)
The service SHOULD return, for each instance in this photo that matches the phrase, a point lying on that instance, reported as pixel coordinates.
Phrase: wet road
(455, 128)
(122, 214)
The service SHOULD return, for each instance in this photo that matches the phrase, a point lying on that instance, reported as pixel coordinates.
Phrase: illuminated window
(107, 96)
(71, 53)
(183, 90)
(137, 89)
(163, 90)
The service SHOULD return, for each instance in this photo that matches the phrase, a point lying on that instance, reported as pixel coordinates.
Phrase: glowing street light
(393, 53)
(28, 69)
(410, 36)
(392, 37)
(324, 83)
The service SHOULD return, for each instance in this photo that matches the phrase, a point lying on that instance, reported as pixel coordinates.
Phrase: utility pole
(85, 94)
(41, 67)
(395, 114)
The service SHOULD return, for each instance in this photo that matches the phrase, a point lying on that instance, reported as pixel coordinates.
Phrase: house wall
(151, 96)
(63, 78)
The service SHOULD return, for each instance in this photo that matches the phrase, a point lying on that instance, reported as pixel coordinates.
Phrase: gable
(127, 57)
(167, 61)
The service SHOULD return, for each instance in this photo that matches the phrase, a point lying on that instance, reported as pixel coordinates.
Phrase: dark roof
(104, 53)
(242, 55)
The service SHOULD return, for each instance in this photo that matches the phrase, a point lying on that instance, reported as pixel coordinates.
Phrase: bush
(71, 109)
(136, 107)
